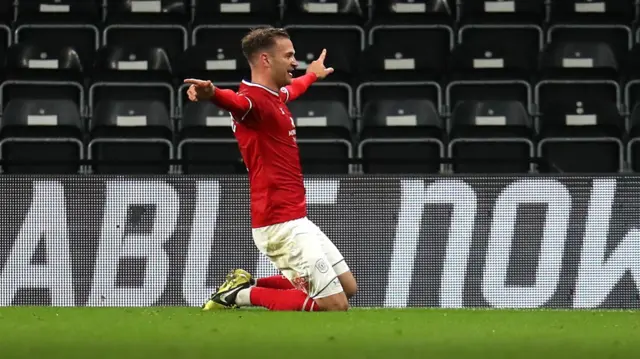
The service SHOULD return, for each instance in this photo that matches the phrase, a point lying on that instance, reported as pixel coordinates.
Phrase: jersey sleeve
(238, 104)
(298, 86)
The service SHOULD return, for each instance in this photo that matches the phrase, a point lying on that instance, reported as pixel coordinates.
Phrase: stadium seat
(131, 122)
(43, 104)
(323, 131)
(489, 90)
(140, 52)
(148, 11)
(504, 12)
(334, 12)
(41, 136)
(371, 92)
(45, 90)
(343, 43)
(330, 91)
(491, 137)
(392, 54)
(585, 51)
(580, 126)
(59, 11)
(599, 12)
(237, 11)
(216, 54)
(56, 52)
(413, 12)
(206, 142)
(481, 53)
(401, 136)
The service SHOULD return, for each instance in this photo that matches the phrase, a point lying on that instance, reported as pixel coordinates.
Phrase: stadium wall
(501, 241)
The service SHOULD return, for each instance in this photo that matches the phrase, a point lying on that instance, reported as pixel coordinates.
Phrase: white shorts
(304, 254)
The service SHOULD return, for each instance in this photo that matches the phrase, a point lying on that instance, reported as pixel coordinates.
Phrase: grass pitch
(187, 333)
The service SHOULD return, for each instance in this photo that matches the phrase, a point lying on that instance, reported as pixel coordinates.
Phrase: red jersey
(266, 135)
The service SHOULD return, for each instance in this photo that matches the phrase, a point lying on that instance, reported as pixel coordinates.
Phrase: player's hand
(200, 89)
(318, 68)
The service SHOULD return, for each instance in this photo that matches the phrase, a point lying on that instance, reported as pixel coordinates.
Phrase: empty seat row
(539, 99)
(125, 137)
(323, 11)
(390, 53)
(125, 117)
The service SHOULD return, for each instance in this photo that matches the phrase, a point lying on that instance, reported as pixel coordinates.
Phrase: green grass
(187, 333)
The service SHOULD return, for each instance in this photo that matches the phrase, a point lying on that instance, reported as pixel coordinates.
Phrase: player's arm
(232, 102)
(299, 86)
(229, 100)
(315, 71)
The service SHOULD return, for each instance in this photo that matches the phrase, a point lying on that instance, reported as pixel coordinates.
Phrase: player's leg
(317, 270)
(276, 243)
(347, 280)
(274, 282)
(339, 264)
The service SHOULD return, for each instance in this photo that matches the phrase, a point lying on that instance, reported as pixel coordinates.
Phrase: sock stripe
(304, 305)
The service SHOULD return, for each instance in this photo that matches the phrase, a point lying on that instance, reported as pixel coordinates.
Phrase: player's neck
(265, 82)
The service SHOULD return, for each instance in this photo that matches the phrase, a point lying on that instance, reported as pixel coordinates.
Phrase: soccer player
(315, 274)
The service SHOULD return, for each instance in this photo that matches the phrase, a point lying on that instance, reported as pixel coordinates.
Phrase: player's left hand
(318, 68)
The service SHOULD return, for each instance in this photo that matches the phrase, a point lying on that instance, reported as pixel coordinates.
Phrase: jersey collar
(274, 93)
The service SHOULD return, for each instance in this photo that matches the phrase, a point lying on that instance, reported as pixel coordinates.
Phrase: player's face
(283, 62)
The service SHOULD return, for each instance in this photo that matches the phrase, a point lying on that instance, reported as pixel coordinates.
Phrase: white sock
(243, 299)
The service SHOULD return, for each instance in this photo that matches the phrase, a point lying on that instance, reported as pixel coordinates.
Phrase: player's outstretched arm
(201, 90)
(315, 71)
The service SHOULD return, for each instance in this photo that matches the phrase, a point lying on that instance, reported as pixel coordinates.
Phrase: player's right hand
(200, 89)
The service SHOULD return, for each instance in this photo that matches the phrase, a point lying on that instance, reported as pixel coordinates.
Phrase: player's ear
(265, 59)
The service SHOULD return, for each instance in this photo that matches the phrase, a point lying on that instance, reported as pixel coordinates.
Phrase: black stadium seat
(54, 51)
(584, 51)
(392, 54)
(487, 90)
(41, 136)
(580, 126)
(401, 136)
(481, 54)
(491, 137)
(147, 52)
(131, 123)
(206, 142)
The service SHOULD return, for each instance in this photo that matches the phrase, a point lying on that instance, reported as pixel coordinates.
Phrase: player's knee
(338, 306)
(333, 303)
